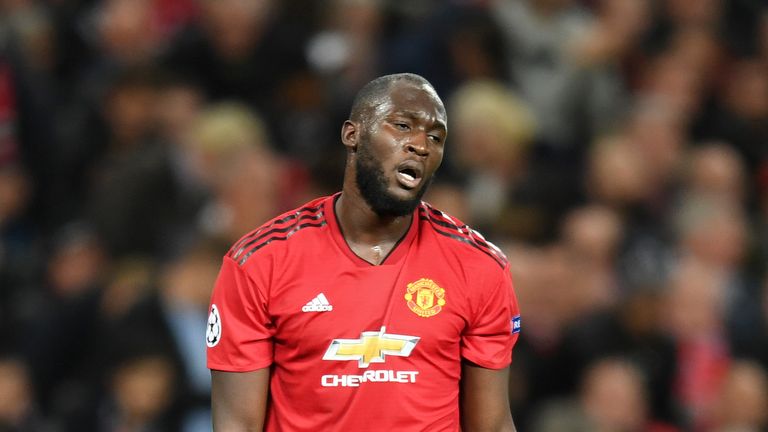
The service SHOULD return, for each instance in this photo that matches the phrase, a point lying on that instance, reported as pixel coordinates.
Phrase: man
(368, 309)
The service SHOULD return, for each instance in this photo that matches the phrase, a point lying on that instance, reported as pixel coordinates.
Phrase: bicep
(239, 400)
(485, 399)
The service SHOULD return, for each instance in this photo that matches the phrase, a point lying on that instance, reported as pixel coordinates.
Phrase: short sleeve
(493, 331)
(239, 330)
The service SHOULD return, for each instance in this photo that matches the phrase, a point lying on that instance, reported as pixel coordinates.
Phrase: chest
(367, 309)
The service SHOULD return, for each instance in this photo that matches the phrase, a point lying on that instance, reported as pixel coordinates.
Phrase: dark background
(617, 150)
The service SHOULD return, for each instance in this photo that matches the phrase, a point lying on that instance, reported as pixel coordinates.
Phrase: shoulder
(453, 231)
(279, 229)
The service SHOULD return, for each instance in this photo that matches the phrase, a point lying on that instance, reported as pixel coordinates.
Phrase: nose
(418, 144)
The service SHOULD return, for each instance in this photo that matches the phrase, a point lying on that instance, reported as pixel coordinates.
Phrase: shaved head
(375, 93)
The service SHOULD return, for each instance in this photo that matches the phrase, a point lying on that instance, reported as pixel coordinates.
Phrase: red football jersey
(356, 346)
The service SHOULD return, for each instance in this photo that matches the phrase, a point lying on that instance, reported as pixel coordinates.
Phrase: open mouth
(409, 174)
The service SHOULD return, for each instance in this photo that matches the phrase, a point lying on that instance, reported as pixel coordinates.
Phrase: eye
(402, 126)
(436, 139)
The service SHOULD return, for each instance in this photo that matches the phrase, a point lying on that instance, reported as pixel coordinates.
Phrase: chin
(383, 194)
(394, 202)
(400, 193)
(397, 201)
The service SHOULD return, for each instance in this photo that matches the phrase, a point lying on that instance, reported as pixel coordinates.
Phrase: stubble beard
(372, 184)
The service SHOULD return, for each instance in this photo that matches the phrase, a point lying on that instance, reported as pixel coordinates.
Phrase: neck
(361, 225)
(370, 236)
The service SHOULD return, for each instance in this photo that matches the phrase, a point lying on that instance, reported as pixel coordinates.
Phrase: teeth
(408, 176)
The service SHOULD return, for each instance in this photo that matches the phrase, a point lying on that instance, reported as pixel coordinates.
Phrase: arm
(485, 399)
(239, 400)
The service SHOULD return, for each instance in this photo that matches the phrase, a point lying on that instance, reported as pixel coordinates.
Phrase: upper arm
(240, 327)
(239, 400)
(485, 399)
(490, 334)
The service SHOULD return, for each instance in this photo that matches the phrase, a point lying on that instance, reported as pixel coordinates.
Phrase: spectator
(717, 172)
(493, 131)
(67, 327)
(244, 178)
(591, 237)
(238, 50)
(545, 369)
(613, 397)
(714, 235)
(173, 317)
(541, 36)
(18, 411)
(696, 320)
(140, 398)
(741, 115)
(19, 253)
(135, 163)
(743, 398)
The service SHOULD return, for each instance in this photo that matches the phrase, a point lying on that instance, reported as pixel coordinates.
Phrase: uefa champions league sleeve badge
(213, 329)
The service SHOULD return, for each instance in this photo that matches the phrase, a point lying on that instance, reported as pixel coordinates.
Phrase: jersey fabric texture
(356, 346)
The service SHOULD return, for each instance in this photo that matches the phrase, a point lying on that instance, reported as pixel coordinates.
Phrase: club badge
(425, 298)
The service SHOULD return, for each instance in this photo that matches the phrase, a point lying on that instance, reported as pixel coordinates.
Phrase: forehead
(415, 99)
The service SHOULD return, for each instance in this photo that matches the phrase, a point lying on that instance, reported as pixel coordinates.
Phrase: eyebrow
(414, 115)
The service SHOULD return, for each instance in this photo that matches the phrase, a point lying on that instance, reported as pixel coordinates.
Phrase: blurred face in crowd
(143, 387)
(714, 232)
(14, 193)
(234, 26)
(15, 392)
(130, 111)
(127, 283)
(656, 131)
(743, 398)
(695, 301)
(628, 17)
(128, 32)
(492, 128)
(747, 90)
(717, 171)
(249, 190)
(698, 47)
(478, 147)
(76, 266)
(617, 174)
(674, 84)
(694, 12)
(356, 17)
(590, 237)
(593, 233)
(178, 107)
(230, 156)
(622, 23)
(543, 280)
(613, 397)
(400, 149)
(188, 281)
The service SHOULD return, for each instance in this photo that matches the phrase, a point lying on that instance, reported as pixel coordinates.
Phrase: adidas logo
(318, 304)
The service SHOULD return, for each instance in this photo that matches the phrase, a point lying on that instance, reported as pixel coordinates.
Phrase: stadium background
(617, 150)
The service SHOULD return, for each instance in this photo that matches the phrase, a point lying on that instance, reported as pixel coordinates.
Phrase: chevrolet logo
(372, 347)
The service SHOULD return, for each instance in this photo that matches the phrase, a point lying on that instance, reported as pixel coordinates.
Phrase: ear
(350, 133)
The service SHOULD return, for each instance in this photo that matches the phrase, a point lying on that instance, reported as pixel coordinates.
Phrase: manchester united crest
(425, 298)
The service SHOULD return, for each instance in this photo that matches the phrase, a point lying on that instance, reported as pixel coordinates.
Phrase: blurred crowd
(617, 150)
